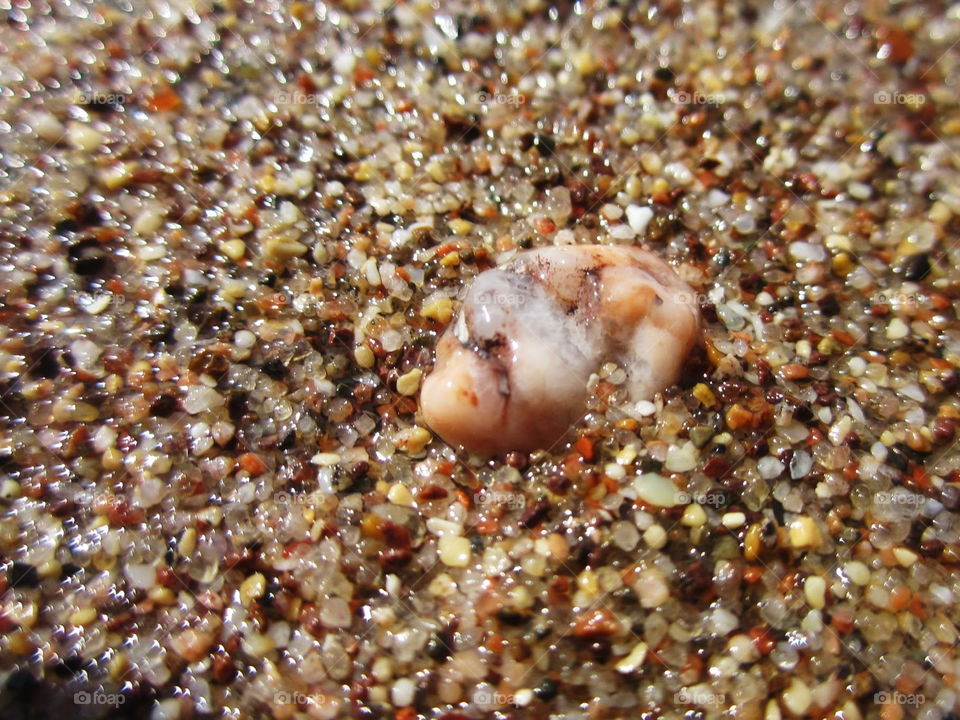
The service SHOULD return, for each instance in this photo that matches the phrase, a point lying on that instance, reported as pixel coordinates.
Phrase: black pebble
(22, 681)
(22, 575)
(829, 305)
(163, 406)
(543, 143)
(45, 364)
(664, 74)
(546, 690)
(274, 368)
(438, 647)
(916, 267)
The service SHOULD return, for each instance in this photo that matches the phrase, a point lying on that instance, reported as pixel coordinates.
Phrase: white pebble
(858, 573)
(639, 217)
(244, 339)
(814, 590)
(796, 698)
(657, 490)
(47, 127)
(633, 660)
(733, 520)
(807, 252)
(769, 467)
(200, 398)
(645, 408)
(682, 458)
(897, 329)
(655, 537)
(85, 352)
(403, 692)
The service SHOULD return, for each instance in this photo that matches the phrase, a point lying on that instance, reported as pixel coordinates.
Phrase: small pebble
(858, 573)
(409, 383)
(797, 698)
(804, 533)
(693, 516)
(655, 536)
(814, 590)
(733, 520)
(639, 217)
(454, 551)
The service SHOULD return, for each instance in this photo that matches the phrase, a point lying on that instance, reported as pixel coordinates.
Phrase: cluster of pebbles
(230, 236)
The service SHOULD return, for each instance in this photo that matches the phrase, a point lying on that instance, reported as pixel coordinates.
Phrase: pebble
(364, 356)
(84, 616)
(200, 398)
(83, 137)
(47, 126)
(639, 217)
(460, 227)
(769, 467)
(693, 516)
(252, 588)
(645, 408)
(454, 551)
(625, 535)
(743, 649)
(797, 698)
(657, 490)
(244, 339)
(733, 520)
(804, 533)
(807, 252)
(857, 572)
(399, 494)
(655, 536)
(682, 458)
(800, 464)
(814, 590)
(335, 613)
(633, 660)
(897, 329)
(409, 383)
(403, 692)
(905, 556)
(652, 588)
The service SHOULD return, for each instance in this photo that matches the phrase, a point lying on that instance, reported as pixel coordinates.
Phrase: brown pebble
(595, 623)
(944, 430)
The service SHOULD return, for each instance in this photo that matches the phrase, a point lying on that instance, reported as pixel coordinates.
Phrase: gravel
(230, 236)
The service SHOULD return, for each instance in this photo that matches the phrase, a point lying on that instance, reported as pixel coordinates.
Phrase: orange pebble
(252, 463)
